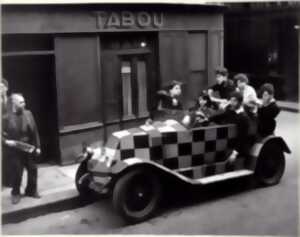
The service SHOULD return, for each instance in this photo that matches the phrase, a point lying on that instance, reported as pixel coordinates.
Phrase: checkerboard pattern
(194, 153)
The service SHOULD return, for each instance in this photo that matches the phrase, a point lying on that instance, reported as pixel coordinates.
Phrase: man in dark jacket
(21, 138)
(224, 87)
(268, 111)
(234, 113)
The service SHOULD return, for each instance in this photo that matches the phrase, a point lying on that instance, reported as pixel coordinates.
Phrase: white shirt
(249, 94)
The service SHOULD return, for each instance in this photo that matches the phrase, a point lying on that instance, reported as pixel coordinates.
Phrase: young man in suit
(234, 113)
(20, 136)
(224, 87)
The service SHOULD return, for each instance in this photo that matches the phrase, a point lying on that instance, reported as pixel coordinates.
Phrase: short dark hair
(241, 77)
(268, 87)
(173, 84)
(237, 95)
(221, 71)
(206, 97)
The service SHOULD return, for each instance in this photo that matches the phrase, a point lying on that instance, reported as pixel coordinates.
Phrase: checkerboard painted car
(134, 162)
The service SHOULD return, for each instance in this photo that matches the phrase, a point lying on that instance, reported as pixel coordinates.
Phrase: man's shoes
(33, 195)
(15, 199)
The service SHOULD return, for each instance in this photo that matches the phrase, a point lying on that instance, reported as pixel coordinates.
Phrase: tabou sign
(127, 19)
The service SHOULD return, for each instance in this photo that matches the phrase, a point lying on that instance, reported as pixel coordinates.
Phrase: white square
(170, 150)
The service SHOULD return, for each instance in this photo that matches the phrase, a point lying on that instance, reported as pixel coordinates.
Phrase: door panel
(78, 80)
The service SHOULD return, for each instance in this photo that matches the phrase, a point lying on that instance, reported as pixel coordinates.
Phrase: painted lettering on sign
(126, 19)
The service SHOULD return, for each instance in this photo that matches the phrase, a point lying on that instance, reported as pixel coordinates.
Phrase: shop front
(89, 70)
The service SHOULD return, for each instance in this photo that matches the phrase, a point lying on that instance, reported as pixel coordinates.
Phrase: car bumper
(100, 184)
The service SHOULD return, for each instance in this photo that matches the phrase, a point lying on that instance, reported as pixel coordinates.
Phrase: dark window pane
(14, 43)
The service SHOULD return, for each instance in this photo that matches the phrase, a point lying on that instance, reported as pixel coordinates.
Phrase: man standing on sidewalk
(23, 143)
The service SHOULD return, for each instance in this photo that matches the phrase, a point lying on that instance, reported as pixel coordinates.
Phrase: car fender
(272, 139)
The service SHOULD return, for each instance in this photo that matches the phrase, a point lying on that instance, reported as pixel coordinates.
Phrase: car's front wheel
(137, 194)
(270, 165)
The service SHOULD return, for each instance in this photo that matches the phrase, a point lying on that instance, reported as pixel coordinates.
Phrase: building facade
(262, 40)
(88, 70)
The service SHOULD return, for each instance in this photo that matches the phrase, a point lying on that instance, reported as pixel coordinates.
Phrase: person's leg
(31, 167)
(17, 173)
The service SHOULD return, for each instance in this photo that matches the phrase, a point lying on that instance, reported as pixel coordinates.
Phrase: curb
(292, 107)
(289, 109)
(69, 200)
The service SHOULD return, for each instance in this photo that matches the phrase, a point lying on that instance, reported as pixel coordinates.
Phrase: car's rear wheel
(270, 166)
(137, 194)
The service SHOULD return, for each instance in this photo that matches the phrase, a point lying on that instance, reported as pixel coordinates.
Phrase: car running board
(225, 176)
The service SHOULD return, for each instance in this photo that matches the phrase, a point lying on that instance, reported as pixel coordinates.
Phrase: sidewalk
(56, 184)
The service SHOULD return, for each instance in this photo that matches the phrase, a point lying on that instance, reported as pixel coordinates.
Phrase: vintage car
(134, 162)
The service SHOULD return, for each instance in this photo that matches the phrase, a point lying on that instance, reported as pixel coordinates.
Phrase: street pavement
(231, 208)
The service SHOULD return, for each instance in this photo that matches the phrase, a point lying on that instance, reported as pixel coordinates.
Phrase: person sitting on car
(169, 98)
(234, 113)
(250, 100)
(200, 113)
(268, 111)
(224, 87)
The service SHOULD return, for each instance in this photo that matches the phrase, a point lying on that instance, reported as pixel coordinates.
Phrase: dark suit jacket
(241, 120)
(28, 132)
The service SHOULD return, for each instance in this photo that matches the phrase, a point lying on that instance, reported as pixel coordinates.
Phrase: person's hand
(10, 143)
(174, 102)
(186, 120)
(38, 151)
(224, 104)
(233, 156)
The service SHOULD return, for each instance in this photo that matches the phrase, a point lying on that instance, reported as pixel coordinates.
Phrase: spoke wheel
(136, 195)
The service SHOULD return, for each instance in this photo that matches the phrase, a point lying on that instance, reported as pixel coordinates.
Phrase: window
(134, 87)
(127, 89)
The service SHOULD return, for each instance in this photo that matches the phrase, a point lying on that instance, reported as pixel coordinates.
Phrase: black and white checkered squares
(194, 153)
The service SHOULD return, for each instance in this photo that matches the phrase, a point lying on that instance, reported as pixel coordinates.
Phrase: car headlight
(110, 161)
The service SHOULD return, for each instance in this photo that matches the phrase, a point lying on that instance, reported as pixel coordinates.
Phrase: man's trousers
(21, 160)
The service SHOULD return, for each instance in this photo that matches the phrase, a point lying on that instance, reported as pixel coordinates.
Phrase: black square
(128, 153)
(210, 170)
(210, 146)
(229, 167)
(141, 141)
(231, 143)
(198, 135)
(184, 149)
(171, 163)
(169, 138)
(197, 160)
(222, 133)
(221, 156)
(187, 173)
(156, 153)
